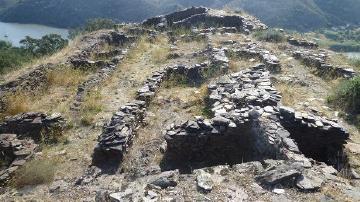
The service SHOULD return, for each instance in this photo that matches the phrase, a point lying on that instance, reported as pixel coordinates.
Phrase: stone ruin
(318, 61)
(118, 134)
(249, 124)
(253, 50)
(32, 125)
(197, 16)
(303, 43)
(20, 136)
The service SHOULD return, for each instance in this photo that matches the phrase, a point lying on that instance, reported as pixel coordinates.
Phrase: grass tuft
(91, 107)
(35, 172)
(270, 35)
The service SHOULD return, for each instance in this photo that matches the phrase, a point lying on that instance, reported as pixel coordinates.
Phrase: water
(353, 55)
(14, 32)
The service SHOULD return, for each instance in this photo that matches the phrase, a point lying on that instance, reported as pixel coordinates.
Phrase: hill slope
(301, 15)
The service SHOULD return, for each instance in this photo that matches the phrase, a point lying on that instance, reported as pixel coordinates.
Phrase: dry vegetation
(91, 107)
(35, 172)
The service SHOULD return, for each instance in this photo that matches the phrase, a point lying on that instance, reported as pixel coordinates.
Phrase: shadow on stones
(234, 147)
(321, 145)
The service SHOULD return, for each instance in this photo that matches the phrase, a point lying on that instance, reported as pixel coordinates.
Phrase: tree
(47, 45)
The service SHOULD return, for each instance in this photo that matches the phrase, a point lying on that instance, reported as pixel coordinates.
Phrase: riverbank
(14, 32)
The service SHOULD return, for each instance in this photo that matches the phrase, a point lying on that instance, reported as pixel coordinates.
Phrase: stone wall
(118, 134)
(32, 125)
(302, 43)
(14, 154)
(253, 50)
(197, 16)
(318, 61)
(249, 125)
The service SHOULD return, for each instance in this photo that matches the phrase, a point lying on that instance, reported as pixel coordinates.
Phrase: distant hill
(301, 15)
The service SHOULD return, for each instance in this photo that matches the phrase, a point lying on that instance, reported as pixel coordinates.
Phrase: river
(353, 55)
(14, 32)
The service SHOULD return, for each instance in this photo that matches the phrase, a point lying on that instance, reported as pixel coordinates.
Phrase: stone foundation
(318, 61)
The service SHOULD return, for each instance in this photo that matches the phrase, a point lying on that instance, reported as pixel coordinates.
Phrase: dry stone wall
(318, 61)
(197, 16)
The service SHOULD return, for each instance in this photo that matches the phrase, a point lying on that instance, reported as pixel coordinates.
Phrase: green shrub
(47, 45)
(347, 96)
(12, 57)
(355, 62)
(270, 35)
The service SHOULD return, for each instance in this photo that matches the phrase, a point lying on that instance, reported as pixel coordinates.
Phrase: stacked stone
(318, 61)
(310, 130)
(252, 50)
(247, 117)
(302, 43)
(196, 16)
(81, 59)
(32, 125)
(118, 135)
(32, 81)
(237, 100)
(107, 69)
(14, 154)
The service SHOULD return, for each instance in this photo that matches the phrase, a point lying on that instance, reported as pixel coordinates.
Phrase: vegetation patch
(270, 35)
(16, 103)
(90, 108)
(65, 76)
(35, 172)
(347, 97)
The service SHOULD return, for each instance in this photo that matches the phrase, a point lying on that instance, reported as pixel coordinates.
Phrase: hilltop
(196, 105)
(291, 14)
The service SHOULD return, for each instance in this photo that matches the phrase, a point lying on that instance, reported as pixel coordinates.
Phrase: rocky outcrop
(13, 154)
(32, 125)
(318, 61)
(197, 16)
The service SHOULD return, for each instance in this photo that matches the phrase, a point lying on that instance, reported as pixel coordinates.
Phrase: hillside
(292, 14)
(211, 106)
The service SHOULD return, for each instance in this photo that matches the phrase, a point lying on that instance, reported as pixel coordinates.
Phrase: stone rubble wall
(19, 138)
(196, 16)
(252, 50)
(302, 43)
(14, 153)
(31, 124)
(318, 61)
(317, 136)
(118, 134)
(247, 106)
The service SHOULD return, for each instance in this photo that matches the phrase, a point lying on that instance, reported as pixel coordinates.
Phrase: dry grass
(65, 76)
(91, 107)
(17, 103)
(290, 94)
(236, 64)
(55, 58)
(35, 172)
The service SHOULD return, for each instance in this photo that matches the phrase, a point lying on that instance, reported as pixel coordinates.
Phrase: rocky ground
(185, 107)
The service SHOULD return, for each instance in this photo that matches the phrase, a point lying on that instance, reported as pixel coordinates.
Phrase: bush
(12, 57)
(270, 35)
(47, 45)
(35, 172)
(347, 96)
